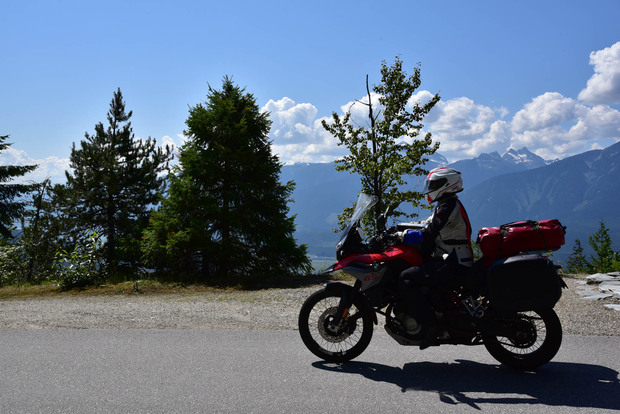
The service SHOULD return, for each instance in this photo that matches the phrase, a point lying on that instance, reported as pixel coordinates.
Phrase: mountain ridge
(517, 185)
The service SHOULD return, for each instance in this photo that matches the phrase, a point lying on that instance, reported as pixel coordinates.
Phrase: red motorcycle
(505, 304)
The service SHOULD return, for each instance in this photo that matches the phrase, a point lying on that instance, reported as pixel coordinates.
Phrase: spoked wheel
(334, 343)
(525, 340)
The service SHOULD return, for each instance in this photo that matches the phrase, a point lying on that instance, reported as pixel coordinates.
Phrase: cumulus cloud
(52, 167)
(297, 134)
(551, 125)
(291, 121)
(545, 111)
(359, 109)
(604, 86)
(465, 129)
(174, 144)
(421, 98)
(556, 126)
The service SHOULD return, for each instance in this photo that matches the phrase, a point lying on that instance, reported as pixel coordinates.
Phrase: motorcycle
(505, 304)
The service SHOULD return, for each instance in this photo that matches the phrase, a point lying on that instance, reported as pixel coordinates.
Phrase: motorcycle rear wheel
(528, 339)
(346, 342)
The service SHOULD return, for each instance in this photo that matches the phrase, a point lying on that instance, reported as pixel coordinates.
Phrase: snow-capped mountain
(489, 165)
(580, 191)
(524, 157)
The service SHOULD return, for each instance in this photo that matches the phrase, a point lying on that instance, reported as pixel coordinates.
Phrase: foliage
(41, 233)
(226, 210)
(391, 147)
(603, 259)
(81, 266)
(29, 258)
(114, 182)
(577, 262)
(12, 264)
(10, 208)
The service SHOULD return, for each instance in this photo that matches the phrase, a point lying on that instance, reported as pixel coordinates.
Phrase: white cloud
(291, 122)
(604, 86)
(359, 109)
(552, 125)
(544, 111)
(502, 111)
(556, 126)
(297, 135)
(52, 167)
(174, 144)
(465, 129)
(497, 138)
(421, 98)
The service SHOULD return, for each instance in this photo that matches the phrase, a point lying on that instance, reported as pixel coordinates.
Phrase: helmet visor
(434, 185)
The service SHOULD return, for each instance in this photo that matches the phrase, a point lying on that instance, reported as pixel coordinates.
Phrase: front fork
(346, 301)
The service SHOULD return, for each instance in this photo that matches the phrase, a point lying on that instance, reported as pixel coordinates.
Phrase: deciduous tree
(389, 149)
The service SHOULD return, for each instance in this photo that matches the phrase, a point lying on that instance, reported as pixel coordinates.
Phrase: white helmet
(442, 181)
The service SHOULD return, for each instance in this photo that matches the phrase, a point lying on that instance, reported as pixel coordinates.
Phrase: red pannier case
(521, 236)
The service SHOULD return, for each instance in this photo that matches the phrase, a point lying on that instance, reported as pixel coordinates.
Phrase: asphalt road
(200, 371)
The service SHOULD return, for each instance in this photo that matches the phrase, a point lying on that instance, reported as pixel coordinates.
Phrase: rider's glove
(375, 245)
(384, 240)
(391, 237)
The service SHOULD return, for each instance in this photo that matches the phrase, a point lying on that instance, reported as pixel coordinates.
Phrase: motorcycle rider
(446, 241)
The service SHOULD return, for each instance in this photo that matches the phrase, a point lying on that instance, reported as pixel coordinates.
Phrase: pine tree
(114, 182)
(380, 154)
(10, 207)
(602, 260)
(226, 211)
(577, 263)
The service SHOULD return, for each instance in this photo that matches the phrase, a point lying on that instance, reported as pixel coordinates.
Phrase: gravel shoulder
(269, 309)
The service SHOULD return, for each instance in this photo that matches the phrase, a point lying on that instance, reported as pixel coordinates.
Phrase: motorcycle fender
(340, 288)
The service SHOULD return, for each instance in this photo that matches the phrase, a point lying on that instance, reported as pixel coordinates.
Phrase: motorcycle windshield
(364, 203)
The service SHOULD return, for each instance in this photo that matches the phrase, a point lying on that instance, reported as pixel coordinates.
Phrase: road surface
(202, 371)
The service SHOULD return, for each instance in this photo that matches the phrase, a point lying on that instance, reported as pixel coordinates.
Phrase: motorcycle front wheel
(335, 343)
(525, 340)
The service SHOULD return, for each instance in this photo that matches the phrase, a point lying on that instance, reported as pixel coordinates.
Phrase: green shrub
(81, 266)
(12, 266)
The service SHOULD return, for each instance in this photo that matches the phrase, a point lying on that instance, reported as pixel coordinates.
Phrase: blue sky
(541, 74)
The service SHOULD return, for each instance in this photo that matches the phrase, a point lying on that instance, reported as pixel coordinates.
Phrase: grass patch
(155, 287)
(123, 288)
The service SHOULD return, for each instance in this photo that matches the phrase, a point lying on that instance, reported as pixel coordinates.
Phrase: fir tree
(226, 211)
